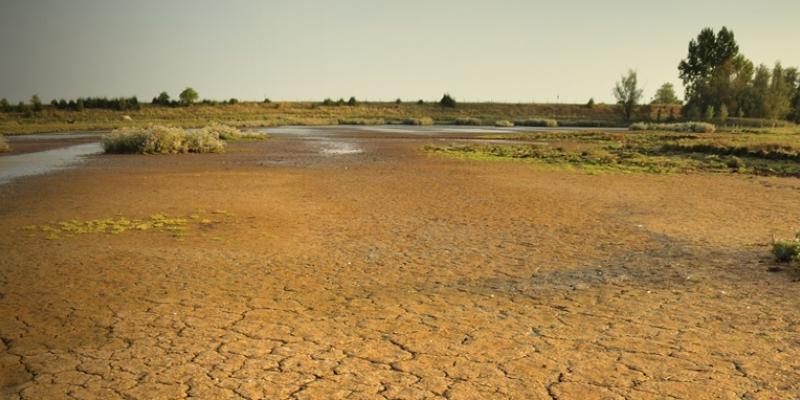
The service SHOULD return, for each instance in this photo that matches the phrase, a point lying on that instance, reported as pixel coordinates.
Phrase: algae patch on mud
(176, 226)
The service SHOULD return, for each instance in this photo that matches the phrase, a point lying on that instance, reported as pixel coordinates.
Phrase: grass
(230, 134)
(4, 147)
(503, 123)
(162, 140)
(654, 152)
(176, 226)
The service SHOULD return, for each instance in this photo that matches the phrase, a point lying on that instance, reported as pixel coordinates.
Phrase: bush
(361, 121)
(540, 122)
(352, 101)
(229, 133)
(736, 163)
(696, 127)
(447, 101)
(503, 123)
(467, 121)
(4, 145)
(161, 140)
(786, 250)
(418, 121)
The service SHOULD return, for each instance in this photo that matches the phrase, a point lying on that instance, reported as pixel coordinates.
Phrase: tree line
(720, 82)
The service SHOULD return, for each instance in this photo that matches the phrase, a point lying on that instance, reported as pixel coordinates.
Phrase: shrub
(229, 133)
(447, 101)
(736, 163)
(418, 121)
(4, 145)
(696, 127)
(161, 140)
(352, 101)
(590, 103)
(420, 102)
(786, 250)
(467, 121)
(541, 122)
(361, 121)
(503, 123)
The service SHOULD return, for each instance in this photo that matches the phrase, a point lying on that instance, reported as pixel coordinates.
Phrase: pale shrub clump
(695, 127)
(503, 123)
(4, 145)
(161, 140)
(418, 121)
(229, 133)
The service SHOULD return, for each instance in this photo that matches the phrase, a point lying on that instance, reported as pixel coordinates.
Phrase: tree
(707, 69)
(666, 95)
(79, 105)
(590, 103)
(723, 112)
(757, 102)
(36, 103)
(352, 101)
(447, 101)
(4, 105)
(780, 90)
(710, 111)
(188, 96)
(162, 99)
(627, 93)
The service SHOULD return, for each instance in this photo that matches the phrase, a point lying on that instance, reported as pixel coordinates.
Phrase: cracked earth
(391, 274)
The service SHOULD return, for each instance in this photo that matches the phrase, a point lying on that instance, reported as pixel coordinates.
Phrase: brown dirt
(392, 274)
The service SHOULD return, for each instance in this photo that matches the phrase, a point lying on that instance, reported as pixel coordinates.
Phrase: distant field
(307, 113)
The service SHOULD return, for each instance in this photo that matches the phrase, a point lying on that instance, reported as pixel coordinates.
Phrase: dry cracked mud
(393, 274)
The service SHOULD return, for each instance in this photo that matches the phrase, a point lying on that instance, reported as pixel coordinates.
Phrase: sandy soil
(391, 274)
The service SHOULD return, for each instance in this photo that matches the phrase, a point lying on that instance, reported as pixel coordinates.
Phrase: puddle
(339, 148)
(42, 162)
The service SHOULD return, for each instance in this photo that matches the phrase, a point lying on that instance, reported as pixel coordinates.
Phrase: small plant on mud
(4, 145)
(787, 250)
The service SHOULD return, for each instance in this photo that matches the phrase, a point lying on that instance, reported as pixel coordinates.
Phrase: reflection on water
(41, 162)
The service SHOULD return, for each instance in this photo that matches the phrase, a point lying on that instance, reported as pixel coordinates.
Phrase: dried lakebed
(392, 274)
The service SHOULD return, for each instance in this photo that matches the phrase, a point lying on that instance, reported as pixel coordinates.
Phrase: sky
(508, 51)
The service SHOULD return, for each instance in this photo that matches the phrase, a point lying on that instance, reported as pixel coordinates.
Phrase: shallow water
(42, 162)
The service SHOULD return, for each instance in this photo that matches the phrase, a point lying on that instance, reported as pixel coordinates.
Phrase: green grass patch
(645, 151)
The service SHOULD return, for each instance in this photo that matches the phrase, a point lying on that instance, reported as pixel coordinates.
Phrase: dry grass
(4, 147)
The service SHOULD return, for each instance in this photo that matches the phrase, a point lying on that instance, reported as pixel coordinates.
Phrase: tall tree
(36, 103)
(780, 91)
(707, 68)
(188, 96)
(666, 95)
(628, 93)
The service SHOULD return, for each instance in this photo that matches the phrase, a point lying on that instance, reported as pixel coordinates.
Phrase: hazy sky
(308, 50)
